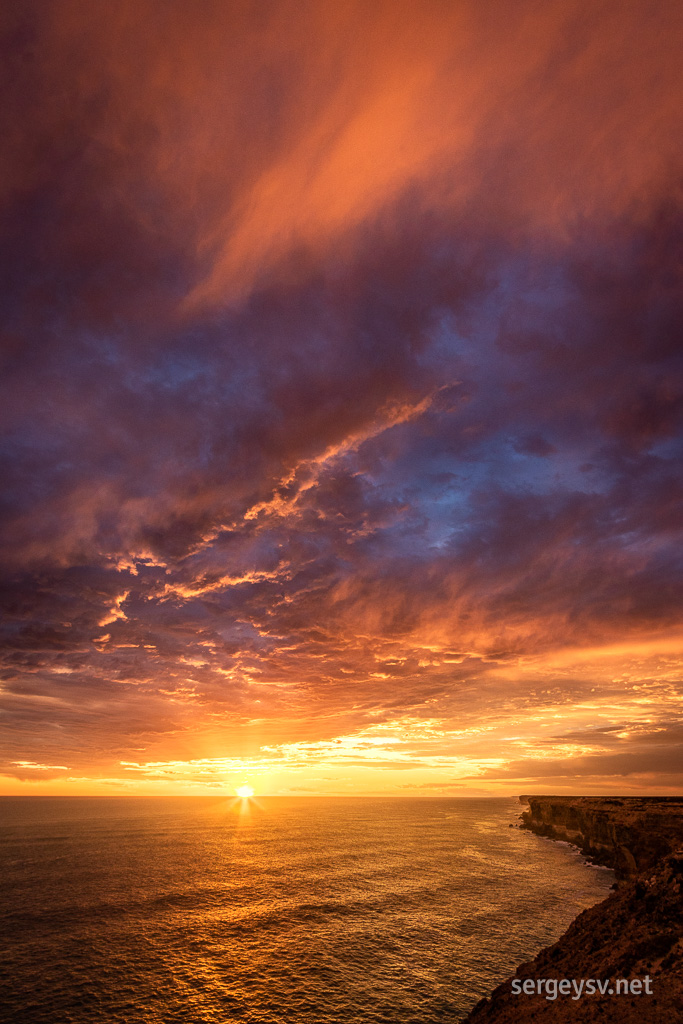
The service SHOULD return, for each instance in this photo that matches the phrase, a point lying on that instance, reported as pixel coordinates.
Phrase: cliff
(635, 934)
(629, 834)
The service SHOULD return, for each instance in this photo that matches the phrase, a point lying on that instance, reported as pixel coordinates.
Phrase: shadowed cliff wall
(629, 834)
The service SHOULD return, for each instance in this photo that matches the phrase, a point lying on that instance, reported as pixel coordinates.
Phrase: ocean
(306, 910)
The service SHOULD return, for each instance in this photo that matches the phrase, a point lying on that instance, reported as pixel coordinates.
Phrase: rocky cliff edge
(636, 934)
(628, 834)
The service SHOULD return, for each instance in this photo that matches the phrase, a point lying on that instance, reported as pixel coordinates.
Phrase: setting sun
(245, 792)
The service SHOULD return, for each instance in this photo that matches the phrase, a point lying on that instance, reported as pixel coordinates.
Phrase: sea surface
(192, 910)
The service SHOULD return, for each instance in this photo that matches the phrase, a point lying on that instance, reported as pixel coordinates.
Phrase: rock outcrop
(635, 934)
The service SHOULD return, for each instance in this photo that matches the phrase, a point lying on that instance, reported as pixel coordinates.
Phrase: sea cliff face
(629, 834)
(635, 934)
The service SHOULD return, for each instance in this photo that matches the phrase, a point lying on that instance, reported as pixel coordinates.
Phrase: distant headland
(633, 935)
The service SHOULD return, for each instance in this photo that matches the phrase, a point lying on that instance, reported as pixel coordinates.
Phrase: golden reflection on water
(268, 909)
(242, 807)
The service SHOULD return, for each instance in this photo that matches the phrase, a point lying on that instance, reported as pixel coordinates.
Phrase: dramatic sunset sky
(342, 396)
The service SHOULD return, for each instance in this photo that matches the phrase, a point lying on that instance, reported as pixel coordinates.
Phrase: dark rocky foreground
(636, 933)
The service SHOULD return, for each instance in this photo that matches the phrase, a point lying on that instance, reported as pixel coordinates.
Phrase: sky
(342, 397)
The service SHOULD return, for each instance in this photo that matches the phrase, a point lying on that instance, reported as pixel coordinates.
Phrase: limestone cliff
(636, 933)
(629, 834)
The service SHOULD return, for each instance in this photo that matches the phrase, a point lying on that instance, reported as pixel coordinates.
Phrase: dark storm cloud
(329, 369)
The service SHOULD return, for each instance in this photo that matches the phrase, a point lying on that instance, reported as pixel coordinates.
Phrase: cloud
(341, 378)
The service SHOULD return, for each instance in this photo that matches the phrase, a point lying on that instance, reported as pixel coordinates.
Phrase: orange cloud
(272, 131)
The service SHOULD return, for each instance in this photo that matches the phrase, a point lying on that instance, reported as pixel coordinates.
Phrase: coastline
(635, 933)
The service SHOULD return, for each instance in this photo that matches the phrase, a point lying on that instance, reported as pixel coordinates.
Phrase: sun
(245, 792)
